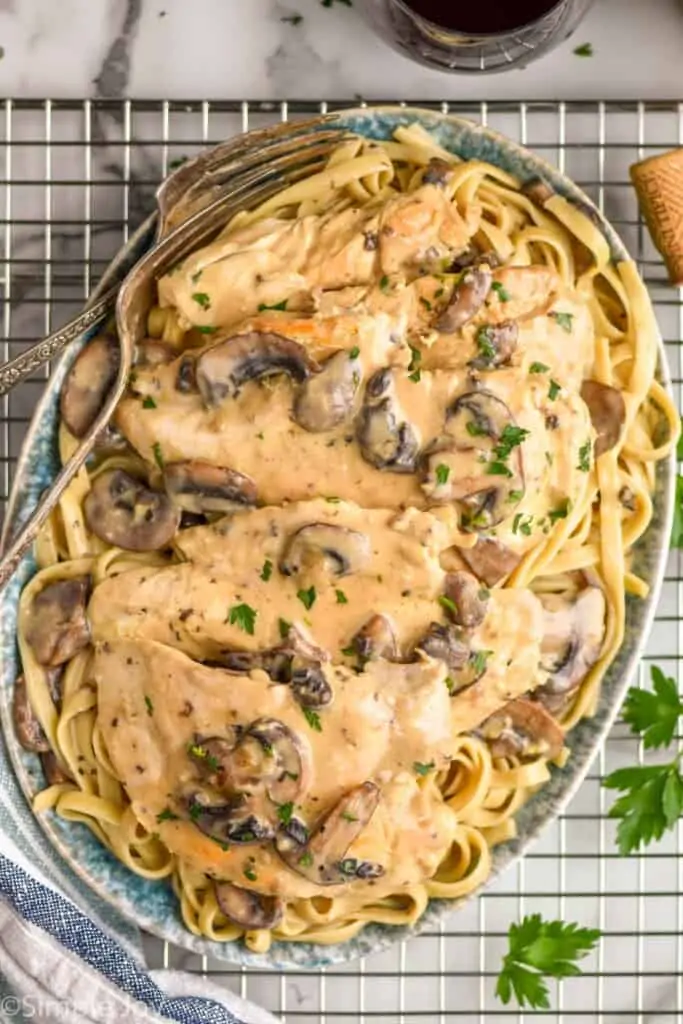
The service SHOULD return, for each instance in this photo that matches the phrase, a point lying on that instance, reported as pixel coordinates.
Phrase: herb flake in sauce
(539, 368)
(585, 457)
(166, 815)
(554, 390)
(202, 299)
(341, 597)
(565, 321)
(148, 402)
(244, 616)
(149, 705)
(501, 291)
(313, 719)
(279, 306)
(158, 457)
(442, 473)
(267, 570)
(307, 597)
(423, 769)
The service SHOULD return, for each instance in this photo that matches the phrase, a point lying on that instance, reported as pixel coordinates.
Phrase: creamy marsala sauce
(406, 430)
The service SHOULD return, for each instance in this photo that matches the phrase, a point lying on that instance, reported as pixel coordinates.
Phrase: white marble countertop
(230, 49)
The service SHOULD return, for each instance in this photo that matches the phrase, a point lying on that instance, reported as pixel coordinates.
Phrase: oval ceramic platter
(152, 905)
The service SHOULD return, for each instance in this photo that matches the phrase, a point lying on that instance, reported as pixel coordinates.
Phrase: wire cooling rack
(75, 178)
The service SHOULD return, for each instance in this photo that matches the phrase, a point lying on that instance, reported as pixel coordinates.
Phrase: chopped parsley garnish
(348, 817)
(280, 306)
(565, 320)
(486, 346)
(200, 753)
(267, 570)
(158, 457)
(585, 457)
(501, 291)
(510, 438)
(426, 303)
(474, 429)
(442, 473)
(285, 812)
(195, 277)
(248, 872)
(148, 402)
(522, 524)
(341, 597)
(284, 628)
(448, 604)
(167, 815)
(585, 50)
(313, 719)
(244, 616)
(332, 499)
(202, 299)
(205, 328)
(149, 705)
(479, 659)
(349, 652)
(515, 496)
(354, 352)
(415, 357)
(423, 769)
(306, 859)
(539, 368)
(307, 597)
(561, 512)
(498, 469)
(415, 377)
(195, 810)
(384, 283)
(554, 390)
(450, 684)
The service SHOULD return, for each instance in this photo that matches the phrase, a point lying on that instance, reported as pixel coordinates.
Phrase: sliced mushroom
(469, 599)
(248, 909)
(497, 344)
(446, 644)
(523, 728)
(327, 399)
(186, 377)
(607, 411)
(469, 295)
(152, 352)
(310, 687)
(122, 511)
(228, 821)
(88, 383)
(387, 441)
(202, 487)
(26, 725)
(52, 769)
(572, 642)
(437, 172)
(487, 481)
(322, 859)
(341, 550)
(289, 775)
(490, 560)
(224, 369)
(57, 627)
(376, 639)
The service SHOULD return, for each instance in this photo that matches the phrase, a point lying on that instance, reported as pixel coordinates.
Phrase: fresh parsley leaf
(651, 802)
(585, 457)
(284, 628)
(148, 402)
(158, 457)
(522, 524)
(306, 859)
(313, 719)
(538, 949)
(554, 390)
(354, 352)
(423, 769)
(195, 277)
(478, 660)
(280, 306)
(285, 812)
(202, 299)
(244, 616)
(348, 817)
(585, 50)
(501, 291)
(307, 597)
(426, 303)
(654, 713)
(349, 652)
(149, 705)
(341, 597)
(515, 496)
(561, 512)
(474, 429)
(384, 283)
(166, 815)
(205, 328)
(248, 872)
(448, 604)
(510, 438)
(485, 343)
(539, 368)
(267, 570)
(564, 320)
(677, 525)
(415, 377)
(498, 469)
(415, 358)
(442, 473)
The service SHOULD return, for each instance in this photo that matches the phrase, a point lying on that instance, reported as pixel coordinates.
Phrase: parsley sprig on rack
(540, 949)
(651, 800)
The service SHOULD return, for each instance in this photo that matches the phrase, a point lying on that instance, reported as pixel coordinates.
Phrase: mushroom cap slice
(437, 172)
(523, 728)
(445, 643)
(55, 775)
(342, 551)
(26, 725)
(376, 639)
(197, 486)
(469, 295)
(490, 560)
(573, 638)
(497, 344)
(57, 627)
(310, 687)
(123, 511)
(88, 383)
(387, 441)
(468, 597)
(322, 860)
(228, 821)
(221, 371)
(248, 909)
(327, 399)
(607, 411)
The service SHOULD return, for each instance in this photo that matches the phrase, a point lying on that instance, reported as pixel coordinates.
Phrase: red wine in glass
(484, 18)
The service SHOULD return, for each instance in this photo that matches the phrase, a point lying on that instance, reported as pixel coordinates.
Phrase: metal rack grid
(75, 177)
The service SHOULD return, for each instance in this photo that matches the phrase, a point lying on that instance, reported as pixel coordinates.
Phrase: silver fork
(193, 204)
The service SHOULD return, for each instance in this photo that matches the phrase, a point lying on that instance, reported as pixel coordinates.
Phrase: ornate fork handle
(16, 370)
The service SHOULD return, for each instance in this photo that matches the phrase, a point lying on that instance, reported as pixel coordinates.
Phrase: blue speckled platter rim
(153, 906)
